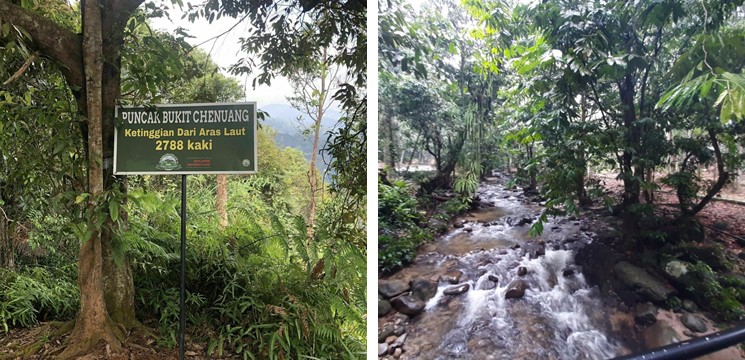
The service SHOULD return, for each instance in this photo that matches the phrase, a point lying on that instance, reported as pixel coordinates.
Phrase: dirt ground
(727, 218)
(41, 343)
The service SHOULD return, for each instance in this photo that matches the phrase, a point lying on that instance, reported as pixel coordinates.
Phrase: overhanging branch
(50, 39)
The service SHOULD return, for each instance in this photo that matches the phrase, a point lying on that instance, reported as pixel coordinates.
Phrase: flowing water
(559, 317)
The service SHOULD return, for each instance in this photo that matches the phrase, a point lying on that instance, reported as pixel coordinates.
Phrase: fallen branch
(23, 68)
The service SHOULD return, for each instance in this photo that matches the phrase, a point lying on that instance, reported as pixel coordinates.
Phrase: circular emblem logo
(168, 162)
(246, 163)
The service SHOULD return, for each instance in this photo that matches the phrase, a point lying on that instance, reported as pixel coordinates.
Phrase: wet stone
(516, 289)
(693, 323)
(522, 271)
(487, 285)
(452, 276)
(398, 330)
(493, 278)
(468, 229)
(391, 288)
(647, 285)
(389, 340)
(423, 289)
(457, 290)
(689, 306)
(382, 349)
(397, 353)
(385, 332)
(570, 271)
(645, 314)
(399, 341)
(384, 307)
(408, 305)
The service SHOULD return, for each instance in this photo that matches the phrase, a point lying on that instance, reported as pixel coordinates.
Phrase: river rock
(391, 288)
(408, 305)
(693, 322)
(644, 284)
(516, 289)
(452, 276)
(390, 339)
(487, 285)
(661, 333)
(522, 271)
(385, 331)
(458, 224)
(437, 225)
(493, 278)
(457, 290)
(384, 307)
(382, 349)
(398, 330)
(570, 271)
(645, 314)
(689, 306)
(399, 341)
(397, 353)
(423, 289)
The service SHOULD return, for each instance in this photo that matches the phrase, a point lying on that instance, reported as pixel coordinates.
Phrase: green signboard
(185, 139)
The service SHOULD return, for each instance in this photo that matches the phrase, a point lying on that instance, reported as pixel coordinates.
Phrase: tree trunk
(222, 200)
(413, 151)
(721, 179)
(312, 174)
(93, 323)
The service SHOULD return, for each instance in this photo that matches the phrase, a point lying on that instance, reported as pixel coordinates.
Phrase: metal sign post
(185, 139)
(182, 291)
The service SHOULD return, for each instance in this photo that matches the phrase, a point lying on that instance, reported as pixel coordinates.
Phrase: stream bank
(487, 290)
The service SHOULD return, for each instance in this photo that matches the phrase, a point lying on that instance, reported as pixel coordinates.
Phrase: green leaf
(114, 210)
(80, 198)
(452, 49)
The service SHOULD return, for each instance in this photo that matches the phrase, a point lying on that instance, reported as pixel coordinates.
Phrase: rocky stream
(488, 290)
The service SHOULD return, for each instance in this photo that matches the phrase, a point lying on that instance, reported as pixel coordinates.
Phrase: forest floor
(724, 216)
(40, 342)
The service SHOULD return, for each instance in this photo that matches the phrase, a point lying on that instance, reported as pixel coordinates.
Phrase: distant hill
(284, 119)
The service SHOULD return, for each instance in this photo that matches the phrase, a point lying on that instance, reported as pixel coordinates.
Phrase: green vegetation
(567, 96)
(75, 237)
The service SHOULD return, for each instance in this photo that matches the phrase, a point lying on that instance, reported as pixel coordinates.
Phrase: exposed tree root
(111, 335)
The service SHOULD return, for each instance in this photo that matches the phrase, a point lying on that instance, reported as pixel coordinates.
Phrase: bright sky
(225, 52)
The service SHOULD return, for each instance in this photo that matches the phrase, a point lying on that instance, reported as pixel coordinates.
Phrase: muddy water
(559, 317)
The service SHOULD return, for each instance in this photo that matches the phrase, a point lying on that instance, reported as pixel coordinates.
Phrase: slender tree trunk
(316, 136)
(413, 151)
(93, 323)
(222, 200)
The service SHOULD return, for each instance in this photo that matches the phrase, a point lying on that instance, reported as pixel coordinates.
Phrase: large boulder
(516, 289)
(693, 281)
(408, 305)
(424, 289)
(642, 283)
(392, 288)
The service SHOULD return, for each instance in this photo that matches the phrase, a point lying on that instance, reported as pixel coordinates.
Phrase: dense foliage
(558, 92)
(258, 288)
